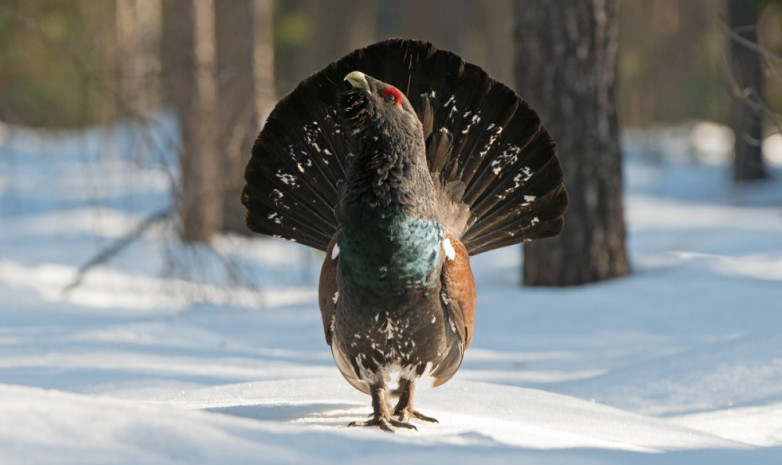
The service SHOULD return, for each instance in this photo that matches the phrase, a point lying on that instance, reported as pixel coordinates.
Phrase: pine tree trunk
(746, 117)
(137, 36)
(195, 95)
(494, 27)
(245, 64)
(339, 27)
(566, 69)
(263, 61)
(437, 20)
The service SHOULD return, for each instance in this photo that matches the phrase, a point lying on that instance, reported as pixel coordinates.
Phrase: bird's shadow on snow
(315, 413)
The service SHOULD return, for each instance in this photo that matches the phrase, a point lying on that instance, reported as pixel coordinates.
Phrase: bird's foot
(404, 409)
(404, 415)
(385, 424)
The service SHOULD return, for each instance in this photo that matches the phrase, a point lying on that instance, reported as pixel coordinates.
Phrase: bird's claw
(385, 424)
(405, 415)
(420, 416)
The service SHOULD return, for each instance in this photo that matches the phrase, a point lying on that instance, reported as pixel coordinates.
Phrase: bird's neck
(390, 233)
(382, 176)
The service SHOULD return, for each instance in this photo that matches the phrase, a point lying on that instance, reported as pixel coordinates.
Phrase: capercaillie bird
(400, 161)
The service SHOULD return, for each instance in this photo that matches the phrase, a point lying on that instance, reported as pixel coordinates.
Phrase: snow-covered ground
(167, 354)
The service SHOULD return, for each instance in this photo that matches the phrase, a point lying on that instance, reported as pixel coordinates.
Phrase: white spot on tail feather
(311, 135)
(288, 178)
(494, 132)
(522, 177)
(335, 252)
(506, 158)
(451, 102)
(335, 299)
(275, 217)
(476, 118)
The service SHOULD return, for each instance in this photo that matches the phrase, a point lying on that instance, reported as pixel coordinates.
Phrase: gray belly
(382, 332)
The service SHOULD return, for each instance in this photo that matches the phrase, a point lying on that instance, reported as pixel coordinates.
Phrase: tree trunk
(746, 116)
(339, 27)
(438, 21)
(195, 95)
(263, 60)
(494, 27)
(245, 64)
(566, 69)
(138, 35)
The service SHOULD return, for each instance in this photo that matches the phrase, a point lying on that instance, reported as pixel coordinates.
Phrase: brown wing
(458, 296)
(327, 287)
(327, 300)
(459, 290)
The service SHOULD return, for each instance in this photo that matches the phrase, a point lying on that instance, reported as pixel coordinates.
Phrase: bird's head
(389, 164)
(371, 105)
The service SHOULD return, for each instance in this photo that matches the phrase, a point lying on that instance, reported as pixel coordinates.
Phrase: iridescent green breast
(385, 247)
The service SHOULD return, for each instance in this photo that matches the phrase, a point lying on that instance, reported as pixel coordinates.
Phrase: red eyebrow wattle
(394, 92)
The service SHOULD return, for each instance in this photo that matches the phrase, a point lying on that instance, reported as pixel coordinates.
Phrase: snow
(169, 354)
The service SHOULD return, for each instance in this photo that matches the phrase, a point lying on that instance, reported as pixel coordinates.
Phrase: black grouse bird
(399, 161)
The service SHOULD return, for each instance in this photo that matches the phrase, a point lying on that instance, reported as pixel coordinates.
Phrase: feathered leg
(381, 416)
(404, 408)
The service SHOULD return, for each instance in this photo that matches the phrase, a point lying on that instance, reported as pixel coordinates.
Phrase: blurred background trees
(246, 93)
(746, 76)
(671, 48)
(84, 63)
(194, 91)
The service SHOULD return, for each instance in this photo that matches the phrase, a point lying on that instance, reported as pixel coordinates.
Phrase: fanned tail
(485, 144)
(296, 164)
(494, 164)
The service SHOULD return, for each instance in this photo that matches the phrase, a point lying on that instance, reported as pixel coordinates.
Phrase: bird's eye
(392, 95)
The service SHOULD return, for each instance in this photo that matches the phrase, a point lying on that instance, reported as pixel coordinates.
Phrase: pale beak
(358, 80)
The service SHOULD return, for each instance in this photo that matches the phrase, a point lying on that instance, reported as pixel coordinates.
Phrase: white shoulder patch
(450, 253)
(335, 252)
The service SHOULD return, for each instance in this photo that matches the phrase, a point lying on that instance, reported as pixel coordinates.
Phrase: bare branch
(117, 246)
(734, 35)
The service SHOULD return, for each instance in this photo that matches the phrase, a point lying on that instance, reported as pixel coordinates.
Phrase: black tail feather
(519, 203)
(531, 218)
(530, 175)
(486, 149)
(438, 150)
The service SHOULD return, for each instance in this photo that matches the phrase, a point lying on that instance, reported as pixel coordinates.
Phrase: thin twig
(748, 43)
(117, 246)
